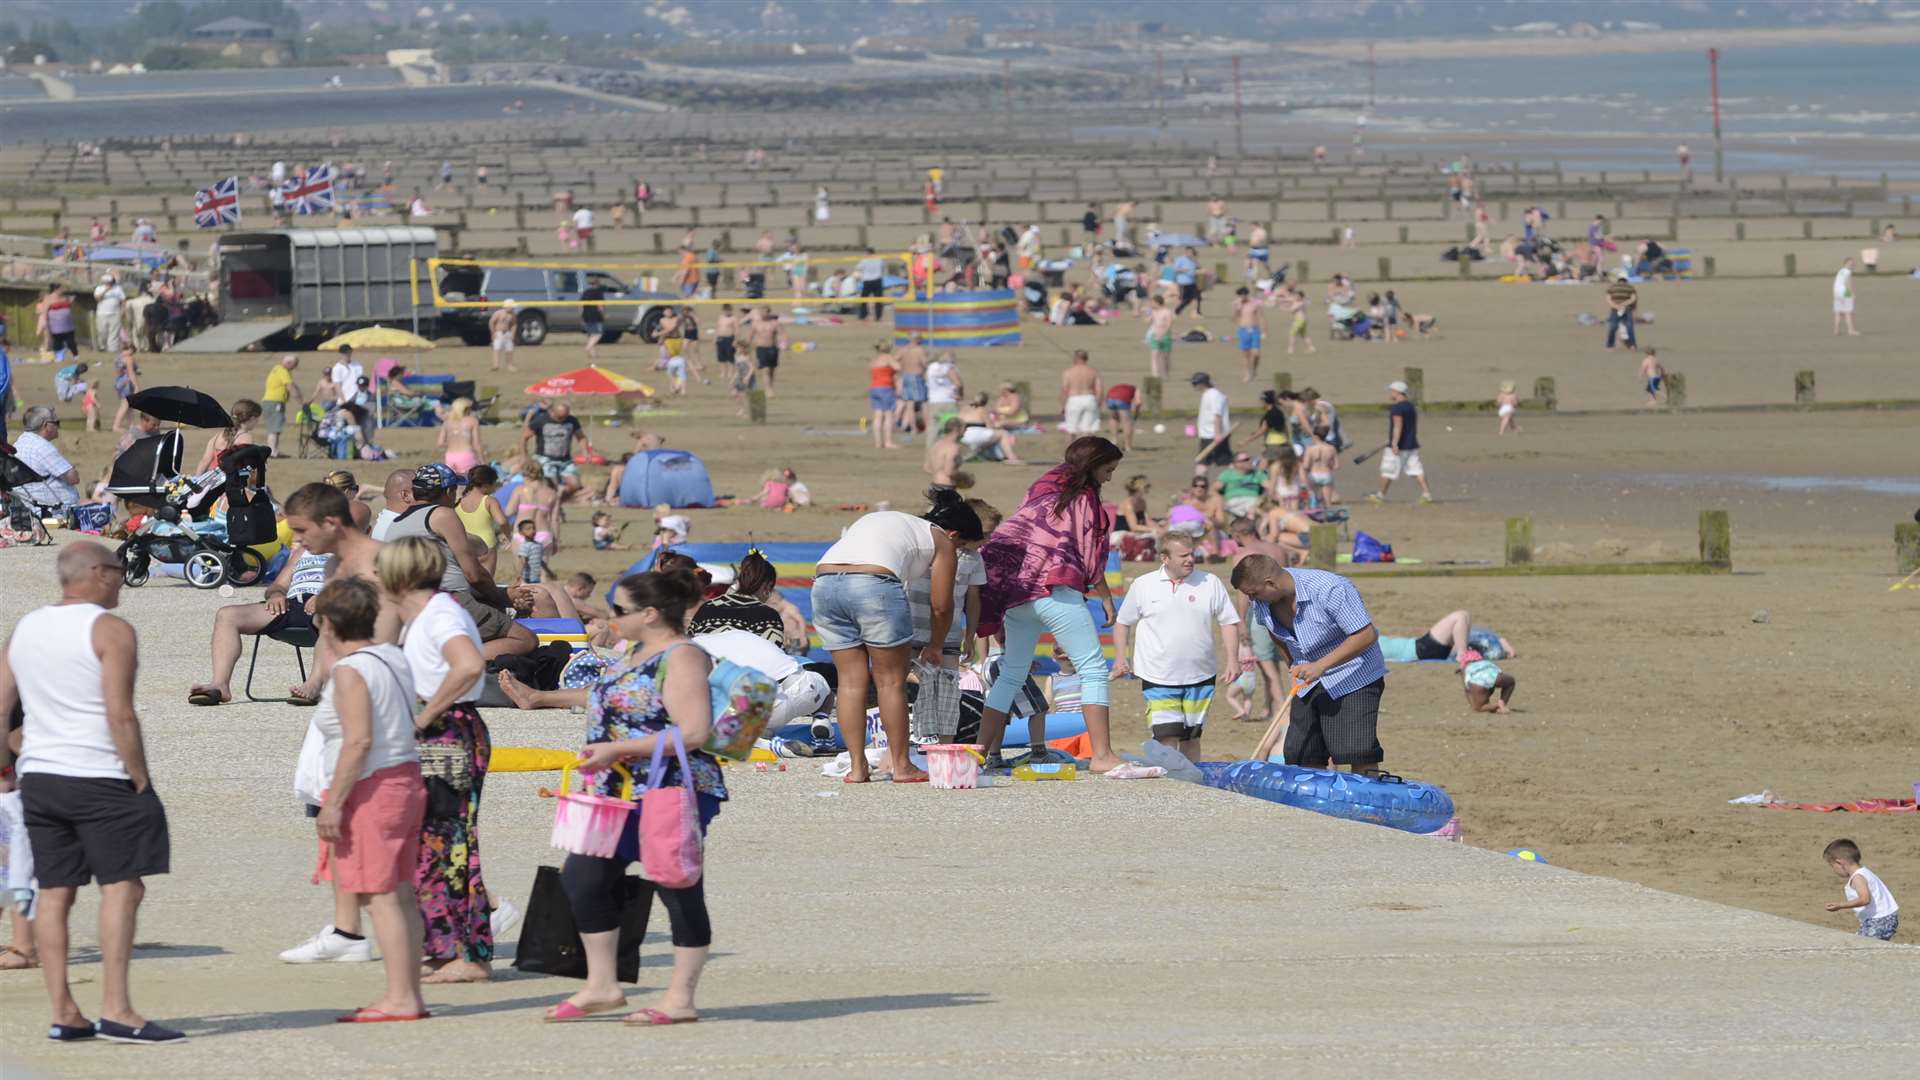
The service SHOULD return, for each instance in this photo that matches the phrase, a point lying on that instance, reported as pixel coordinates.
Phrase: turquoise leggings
(1063, 614)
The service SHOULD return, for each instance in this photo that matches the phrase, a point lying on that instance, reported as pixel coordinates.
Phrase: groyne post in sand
(1716, 538)
(1708, 265)
(1282, 381)
(1676, 390)
(1150, 391)
(1323, 546)
(1803, 388)
(757, 406)
(1386, 273)
(1740, 231)
(1545, 394)
(1416, 379)
(1300, 272)
(1791, 264)
(1519, 541)
(1906, 547)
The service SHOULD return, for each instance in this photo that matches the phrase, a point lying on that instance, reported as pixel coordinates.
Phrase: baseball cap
(1397, 386)
(434, 477)
(1200, 378)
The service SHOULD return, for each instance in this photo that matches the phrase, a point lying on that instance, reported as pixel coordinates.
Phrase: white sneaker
(504, 918)
(328, 947)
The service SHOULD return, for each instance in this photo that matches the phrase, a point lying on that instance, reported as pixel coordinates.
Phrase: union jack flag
(217, 205)
(312, 194)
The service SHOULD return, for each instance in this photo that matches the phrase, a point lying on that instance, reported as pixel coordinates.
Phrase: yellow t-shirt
(279, 384)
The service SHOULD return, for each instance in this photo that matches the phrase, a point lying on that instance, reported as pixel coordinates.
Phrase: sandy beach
(1806, 703)
(1156, 928)
(1131, 929)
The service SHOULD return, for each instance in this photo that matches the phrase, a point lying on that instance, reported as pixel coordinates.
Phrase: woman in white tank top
(861, 610)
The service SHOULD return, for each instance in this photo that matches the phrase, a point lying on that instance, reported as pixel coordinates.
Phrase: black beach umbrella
(181, 405)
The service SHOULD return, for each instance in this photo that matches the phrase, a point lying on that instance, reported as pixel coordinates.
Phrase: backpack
(743, 700)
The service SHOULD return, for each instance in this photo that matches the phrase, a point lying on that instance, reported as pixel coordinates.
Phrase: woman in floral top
(660, 684)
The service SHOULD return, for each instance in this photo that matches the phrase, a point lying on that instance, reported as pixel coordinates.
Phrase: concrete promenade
(1099, 928)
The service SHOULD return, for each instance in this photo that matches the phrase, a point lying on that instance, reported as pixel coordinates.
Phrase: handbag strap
(406, 689)
(655, 774)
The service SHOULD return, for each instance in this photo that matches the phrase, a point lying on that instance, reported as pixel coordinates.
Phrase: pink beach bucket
(588, 824)
(955, 766)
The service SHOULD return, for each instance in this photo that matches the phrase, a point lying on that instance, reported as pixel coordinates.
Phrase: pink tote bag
(670, 848)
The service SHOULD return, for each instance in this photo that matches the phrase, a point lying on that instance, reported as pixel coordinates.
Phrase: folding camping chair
(310, 434)
(299, 637)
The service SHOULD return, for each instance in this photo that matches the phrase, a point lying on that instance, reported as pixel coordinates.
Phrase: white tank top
(900, 542)
(1880, 902)
(58, 675)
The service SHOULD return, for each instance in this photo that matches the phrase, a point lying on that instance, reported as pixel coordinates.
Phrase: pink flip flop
(567, 1010)
(375, 1016)
(656, 1018)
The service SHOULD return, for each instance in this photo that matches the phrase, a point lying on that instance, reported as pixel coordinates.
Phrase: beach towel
(1037, 549)
(1858, 806)
(18, 856)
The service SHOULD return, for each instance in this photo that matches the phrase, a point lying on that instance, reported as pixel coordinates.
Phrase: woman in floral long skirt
(442, 645)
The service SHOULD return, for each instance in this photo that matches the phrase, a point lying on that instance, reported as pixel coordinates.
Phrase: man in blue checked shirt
(1328, 641)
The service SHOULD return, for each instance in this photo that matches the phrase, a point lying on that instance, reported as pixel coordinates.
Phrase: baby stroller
(24, 514)
(181, 527)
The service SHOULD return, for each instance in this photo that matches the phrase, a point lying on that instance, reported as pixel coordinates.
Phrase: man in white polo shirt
(92, 814)
(1176, 608)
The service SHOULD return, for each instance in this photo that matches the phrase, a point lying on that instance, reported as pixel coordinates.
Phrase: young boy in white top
(1879, 912)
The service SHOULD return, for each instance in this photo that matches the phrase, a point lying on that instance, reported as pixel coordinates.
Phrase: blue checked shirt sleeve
(1347, 611)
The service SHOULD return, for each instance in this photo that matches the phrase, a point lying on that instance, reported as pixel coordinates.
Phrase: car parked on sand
(534, 290)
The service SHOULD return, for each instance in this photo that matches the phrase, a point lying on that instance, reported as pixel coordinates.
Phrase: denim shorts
(851, 610)
(882, 398)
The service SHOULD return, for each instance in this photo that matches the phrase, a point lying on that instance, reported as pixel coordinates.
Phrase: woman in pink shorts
(376, 799)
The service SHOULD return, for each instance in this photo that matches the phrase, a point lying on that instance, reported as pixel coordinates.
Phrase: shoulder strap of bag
(405, 688)
(655, 774)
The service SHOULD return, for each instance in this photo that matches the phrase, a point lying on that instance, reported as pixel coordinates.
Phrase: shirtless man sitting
(1289, 531)
(326, 543)
(944, 455)
(1285, 548)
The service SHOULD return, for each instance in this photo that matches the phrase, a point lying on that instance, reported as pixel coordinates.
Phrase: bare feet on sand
(456, 971)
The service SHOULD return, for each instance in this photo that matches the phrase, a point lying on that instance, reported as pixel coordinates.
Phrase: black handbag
(550, 941)
(253, 523)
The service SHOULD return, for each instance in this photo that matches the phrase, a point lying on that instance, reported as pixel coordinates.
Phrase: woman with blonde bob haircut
(442, 647)
(370, 823)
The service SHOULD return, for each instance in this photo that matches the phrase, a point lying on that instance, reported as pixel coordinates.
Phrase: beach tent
(673, 477)
(793, 566)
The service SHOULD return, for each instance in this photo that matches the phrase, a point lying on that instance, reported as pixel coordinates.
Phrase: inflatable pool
(1407, 805)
